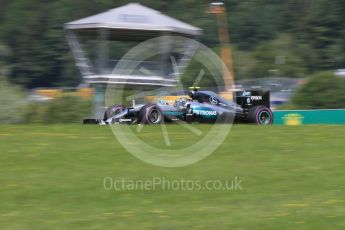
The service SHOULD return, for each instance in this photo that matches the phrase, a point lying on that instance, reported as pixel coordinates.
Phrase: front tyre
(260, 115)
(112, 111)
(151, 114)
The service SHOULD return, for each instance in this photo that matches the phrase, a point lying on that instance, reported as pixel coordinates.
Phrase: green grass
(51, 177)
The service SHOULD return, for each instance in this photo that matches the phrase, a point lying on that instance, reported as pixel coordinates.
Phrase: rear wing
(251, 98)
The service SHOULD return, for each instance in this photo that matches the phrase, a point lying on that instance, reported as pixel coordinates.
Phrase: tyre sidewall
(146, 111)
(112, 111)
(254, 113)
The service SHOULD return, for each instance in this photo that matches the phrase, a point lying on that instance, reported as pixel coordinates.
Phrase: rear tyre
(151, 114)
(112, 111)
(260, 115)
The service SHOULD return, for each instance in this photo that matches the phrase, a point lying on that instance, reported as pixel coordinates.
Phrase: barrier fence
(300, 117)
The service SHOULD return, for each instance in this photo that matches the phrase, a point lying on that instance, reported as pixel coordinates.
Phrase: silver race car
(200, 106)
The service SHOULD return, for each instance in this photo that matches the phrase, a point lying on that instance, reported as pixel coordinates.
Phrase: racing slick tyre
(112, 111)
(260, 115)
(151, 114)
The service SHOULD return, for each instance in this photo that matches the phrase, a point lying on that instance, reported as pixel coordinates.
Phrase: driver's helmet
(181, 101)
(191, 95)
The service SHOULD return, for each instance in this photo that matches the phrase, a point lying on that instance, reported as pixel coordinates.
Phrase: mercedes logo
(213, 100)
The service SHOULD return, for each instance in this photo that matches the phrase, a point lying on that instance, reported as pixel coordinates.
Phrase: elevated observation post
(98, 42)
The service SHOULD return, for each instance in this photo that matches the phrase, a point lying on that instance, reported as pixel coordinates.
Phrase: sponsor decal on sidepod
(206, 112)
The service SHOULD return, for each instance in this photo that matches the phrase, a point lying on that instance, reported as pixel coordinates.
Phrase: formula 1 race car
(201, 106)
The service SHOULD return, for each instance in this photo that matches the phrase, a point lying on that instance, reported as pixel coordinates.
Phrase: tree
(323, 91)
(277, 58)
(253, 22)
(38, 54)
(4, 53)
(324, 31)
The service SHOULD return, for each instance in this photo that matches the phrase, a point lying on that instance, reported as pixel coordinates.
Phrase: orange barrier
(85, 93)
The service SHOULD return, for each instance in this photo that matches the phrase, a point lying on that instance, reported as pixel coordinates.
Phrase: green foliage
(210, 77)
(4, 54)
(312, 35)
(35, 113)
(277, 58)
(253, 22)
(12, 103)
(323, 91)
(243, 62)
(324, 31)
(64, 109)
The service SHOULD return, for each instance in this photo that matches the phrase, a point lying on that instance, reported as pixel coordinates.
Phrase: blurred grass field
(51, 177)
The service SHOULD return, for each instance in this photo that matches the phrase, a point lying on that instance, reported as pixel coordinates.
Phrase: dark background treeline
(290, 38)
